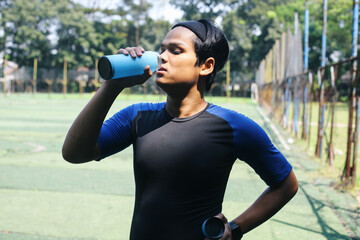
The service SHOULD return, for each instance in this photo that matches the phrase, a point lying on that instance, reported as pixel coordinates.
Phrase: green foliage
(239, 37)
(111, 36)
(76, 35)
(52, 30)
(26, 27)
(264, 21)
(339, 27)
(153, 33)
(198, 9)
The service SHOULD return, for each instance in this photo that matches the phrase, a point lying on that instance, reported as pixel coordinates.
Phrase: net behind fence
(52, 81)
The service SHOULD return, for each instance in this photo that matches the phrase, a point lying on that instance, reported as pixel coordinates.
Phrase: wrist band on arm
(236, 232)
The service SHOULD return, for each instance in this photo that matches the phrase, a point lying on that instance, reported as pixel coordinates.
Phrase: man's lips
(161, 70)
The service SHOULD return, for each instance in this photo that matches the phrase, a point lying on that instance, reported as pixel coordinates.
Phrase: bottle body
(120, 65)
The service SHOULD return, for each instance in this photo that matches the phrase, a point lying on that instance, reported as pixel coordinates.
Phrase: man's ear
(207, 67)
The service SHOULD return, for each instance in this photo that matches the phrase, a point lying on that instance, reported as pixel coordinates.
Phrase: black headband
(196, 27)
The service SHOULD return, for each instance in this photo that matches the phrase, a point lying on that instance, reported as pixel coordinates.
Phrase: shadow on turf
(316, 206)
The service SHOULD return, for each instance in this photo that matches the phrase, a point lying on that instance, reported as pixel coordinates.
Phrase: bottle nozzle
(159, 61)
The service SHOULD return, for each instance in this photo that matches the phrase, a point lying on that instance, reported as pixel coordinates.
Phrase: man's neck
(185, 107)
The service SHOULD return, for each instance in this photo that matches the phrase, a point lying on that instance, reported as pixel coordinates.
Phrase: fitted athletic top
(182, 165)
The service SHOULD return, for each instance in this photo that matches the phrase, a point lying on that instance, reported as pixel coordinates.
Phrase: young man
(184, 149)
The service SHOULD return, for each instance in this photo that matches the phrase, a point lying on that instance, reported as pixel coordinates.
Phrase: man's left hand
(227, 233)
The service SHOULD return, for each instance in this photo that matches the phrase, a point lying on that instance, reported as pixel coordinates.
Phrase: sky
(161, 8)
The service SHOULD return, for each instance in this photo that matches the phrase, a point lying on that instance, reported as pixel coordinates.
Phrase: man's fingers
(139, 51)
(227, 233)
(222, 217)
(122, 51)
(148, 71)
(133, 51)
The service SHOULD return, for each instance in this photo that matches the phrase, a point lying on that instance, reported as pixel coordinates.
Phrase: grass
(43, 197)
(56, 118)
(340, 135)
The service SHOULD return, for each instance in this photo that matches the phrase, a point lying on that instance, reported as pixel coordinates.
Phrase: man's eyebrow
(173, 44)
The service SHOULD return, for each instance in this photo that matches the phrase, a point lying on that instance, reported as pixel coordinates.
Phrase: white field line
(37, 147)
(272, 126)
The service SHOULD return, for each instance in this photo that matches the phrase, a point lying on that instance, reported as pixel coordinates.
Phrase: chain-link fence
(320, 107)
(53, 81)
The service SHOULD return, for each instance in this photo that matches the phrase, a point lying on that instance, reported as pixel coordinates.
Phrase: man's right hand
(80, 144)
(133, 80)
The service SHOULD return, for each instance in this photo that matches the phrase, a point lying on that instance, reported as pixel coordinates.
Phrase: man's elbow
(294, 188)
(72, 157)
(67, 156)
(288, 187)
(292, 184)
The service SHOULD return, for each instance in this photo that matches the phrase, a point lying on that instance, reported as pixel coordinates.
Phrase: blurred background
(40, 38)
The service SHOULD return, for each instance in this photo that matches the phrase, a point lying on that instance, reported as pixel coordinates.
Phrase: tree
(153, 33)
(111, 36)
(198, 9)
(51, 30)
(137, 14)
(239, 37)
(3, 6)
(76, 36)
(26, 30)
(263, 21)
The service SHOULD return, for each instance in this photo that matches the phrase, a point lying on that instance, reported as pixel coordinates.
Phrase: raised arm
(80, 144)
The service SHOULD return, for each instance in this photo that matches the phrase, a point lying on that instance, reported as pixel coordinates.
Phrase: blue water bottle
(120, 65)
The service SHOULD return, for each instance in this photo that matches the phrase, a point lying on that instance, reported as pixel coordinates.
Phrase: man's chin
(160, 83)
(163, 84)
(173, 87)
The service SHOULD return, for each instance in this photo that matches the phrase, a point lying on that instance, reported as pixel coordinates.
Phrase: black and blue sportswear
(182, 165)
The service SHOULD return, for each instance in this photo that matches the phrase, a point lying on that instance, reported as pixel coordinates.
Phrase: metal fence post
(35, 76)
(4, 69)
(356, 134)
(320, 133)
(333, 105)
(347, 168)
(305, 106)
(65, 77)
(308, 120)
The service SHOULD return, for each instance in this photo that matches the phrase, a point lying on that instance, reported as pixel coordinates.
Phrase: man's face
(179, 60)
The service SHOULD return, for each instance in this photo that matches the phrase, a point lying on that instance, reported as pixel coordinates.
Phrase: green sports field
(43, 197)
(340, 134)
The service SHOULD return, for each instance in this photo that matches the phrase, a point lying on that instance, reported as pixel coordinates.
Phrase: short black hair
(215, 45)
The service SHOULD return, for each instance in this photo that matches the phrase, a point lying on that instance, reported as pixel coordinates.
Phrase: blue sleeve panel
(252, 145)
(116, 132)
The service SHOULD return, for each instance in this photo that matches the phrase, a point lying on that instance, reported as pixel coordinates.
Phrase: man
(184, 149)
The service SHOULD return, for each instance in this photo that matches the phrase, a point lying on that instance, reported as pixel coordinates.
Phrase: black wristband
(236, 232)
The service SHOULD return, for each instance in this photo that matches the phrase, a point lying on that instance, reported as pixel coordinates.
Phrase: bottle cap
(213, 228)
(105, 68)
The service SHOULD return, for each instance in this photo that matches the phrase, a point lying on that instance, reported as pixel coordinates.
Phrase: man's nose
(163, 57)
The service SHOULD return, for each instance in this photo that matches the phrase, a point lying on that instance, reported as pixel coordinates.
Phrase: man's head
(210, 42)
